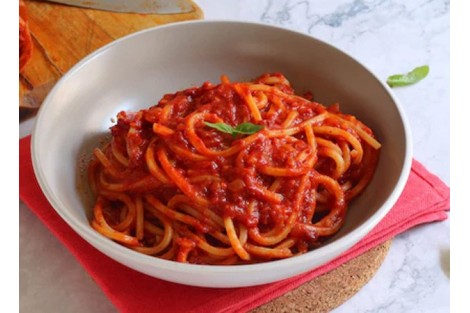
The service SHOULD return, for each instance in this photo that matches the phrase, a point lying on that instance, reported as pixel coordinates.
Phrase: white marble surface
(389, 37)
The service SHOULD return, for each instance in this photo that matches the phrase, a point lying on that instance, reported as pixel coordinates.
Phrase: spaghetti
(171, 185)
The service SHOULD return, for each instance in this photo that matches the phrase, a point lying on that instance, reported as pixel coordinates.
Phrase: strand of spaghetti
(270, 237)
(346, 186)
(311, 140)
(162, 130)
(345, 152)
(283, 171)
(331, 223)
(99, 224)
(290, 119)
(314, 120)
(275, 80)
(185, 153)
(288, 243)
(364, 135)
(337, 132)
(243, 236)
(268, 253)
(197, 215)
(276, 108)
(114, 235)
(261, 99)
(371, 157)
(279, 103)
(291, 99)
(309, 211)
(223, 238)
(133, 141)
(166, 113)
(307, 156)
(321, 197)
(245, 94)
(164, 242)
(139, 218)
(284, 230)
(276, 183)
(304, 162)
(254, 186)
(185, 246)
(118, 155)
(322, 231)
(207, 213)
(202, 244)
(152, 166)
(153, 229)
(123, 212)
(337, 158)
(171, 253)
(271, 133)
(277, 91)
(264, 193)
(329, 144)
(172, 214)
(234, 240)
(251, 139)
(131, 209)
(333, 187)
(106, 163)
(146, 183)
(179, 179)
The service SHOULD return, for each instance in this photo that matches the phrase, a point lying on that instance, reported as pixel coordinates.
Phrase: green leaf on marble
(410, 78)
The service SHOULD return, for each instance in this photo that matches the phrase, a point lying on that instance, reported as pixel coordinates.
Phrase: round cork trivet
(332, 289)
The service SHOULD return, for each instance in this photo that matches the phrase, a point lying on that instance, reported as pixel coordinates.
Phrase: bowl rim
(99, 241)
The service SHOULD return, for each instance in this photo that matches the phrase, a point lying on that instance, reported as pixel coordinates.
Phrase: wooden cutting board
(63, 35)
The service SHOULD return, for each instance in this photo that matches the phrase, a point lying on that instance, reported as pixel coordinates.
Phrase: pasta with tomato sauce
(230, 173)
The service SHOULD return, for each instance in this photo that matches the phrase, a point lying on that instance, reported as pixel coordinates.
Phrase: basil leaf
(222, 127)
(243, 128)
(248, 128)
(410, 78)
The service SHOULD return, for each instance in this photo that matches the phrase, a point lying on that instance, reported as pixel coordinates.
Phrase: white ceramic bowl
(134, 72)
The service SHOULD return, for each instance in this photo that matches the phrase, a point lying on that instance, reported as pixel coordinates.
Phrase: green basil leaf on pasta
(243, 128)
(248, 128)
(222, 127)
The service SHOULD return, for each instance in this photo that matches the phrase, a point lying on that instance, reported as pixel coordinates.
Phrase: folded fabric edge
(431, 179)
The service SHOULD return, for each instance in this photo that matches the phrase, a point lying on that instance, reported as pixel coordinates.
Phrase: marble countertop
(389, 37)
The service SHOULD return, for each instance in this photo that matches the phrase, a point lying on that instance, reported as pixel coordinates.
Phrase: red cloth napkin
(425, 199)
